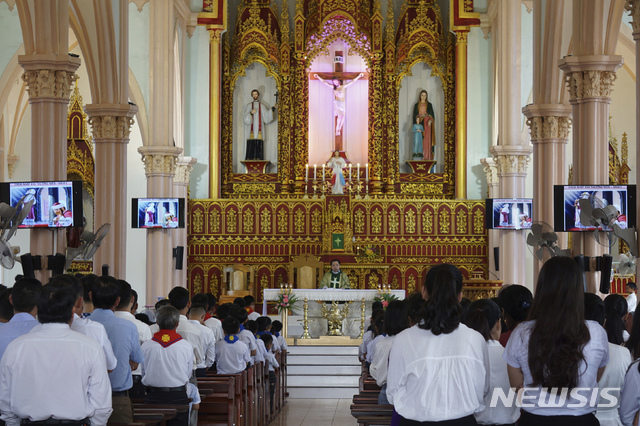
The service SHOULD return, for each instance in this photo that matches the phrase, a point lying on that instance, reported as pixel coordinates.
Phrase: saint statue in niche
(423, 114)
(338, 182)
(256, 116)
(338, 98)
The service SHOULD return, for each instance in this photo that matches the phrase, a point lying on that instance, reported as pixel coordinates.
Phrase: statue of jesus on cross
(338, 98)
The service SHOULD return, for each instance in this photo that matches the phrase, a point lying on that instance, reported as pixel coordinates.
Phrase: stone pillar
(111, 125)
(49, 79)
(215, 82)
(493, 189)
(633, 6)
(160, 166)
(590, 80)
(184, 166)
(511, 154)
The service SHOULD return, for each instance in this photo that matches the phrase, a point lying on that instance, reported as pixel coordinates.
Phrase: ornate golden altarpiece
(407, 221)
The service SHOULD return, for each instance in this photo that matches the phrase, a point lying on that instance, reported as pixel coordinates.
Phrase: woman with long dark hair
(615, 308)
(438, 369)
(484, 317)
(556, 355)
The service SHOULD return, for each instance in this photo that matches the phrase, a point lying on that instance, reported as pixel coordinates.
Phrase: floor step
(333, 370)
(322, 393)
(322, 360)
(323, 350)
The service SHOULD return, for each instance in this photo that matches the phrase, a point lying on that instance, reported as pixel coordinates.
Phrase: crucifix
(337, 77)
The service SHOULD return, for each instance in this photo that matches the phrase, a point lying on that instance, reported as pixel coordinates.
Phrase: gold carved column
(461, 113)
(215, 74)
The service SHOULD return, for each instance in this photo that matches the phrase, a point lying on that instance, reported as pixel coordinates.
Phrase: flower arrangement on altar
(286, 300)
(384, 295)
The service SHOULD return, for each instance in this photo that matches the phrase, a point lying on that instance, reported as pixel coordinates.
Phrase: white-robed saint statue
(256, 115)
(338, 182)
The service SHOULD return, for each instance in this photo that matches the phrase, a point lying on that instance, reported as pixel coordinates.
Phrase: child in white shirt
(232, 355)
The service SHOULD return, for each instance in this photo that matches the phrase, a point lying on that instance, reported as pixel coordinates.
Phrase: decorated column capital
(49, 76)
(548, 122)
(160, 160)
(111, 122)
(590, 76)
(184, 166)
(12, 160)
(491, 170)
(633, 7)
(511, 159)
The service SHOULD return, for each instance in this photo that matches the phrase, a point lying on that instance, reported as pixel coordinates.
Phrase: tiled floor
(315, 412)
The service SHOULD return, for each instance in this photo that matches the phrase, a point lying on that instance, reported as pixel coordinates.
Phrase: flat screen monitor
(57, 204)
(509, 213)
(153, 213)
(567, 210)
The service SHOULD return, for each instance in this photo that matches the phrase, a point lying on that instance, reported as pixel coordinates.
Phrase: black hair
(429, 280)
(200, 299)
(516, 300)
(465, 302)
(482, 316)
(378, 325)
(23, 294)
(240, 302)
(160, 303)
(55, 302)
(224, 310)
(267, 339)
(135, 296)
(255, 90)
(6, 308)
(239, 313)
(252, 326)
(249, 299)
(335, 260)
(144, 318)
(87, 284)
(594, 308)
(631, 284)
(263, 323)
(179, 297)
(374, 315)
(197, 307)
(125, 294)
(615, 308)
(376, 305)
(105, 292)
(167, 317)
(276, 326)
(395, 317)
(212, 301)
(442, 311)
(415, 304)
(230, 325)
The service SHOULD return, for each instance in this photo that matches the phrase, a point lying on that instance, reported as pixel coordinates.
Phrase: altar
(311, 301)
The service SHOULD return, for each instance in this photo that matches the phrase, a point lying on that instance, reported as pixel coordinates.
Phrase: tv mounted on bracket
(509, 213)
(157, 213)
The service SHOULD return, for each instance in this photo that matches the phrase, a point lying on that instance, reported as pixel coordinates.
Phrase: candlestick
(366, 171)
(315, 171)
(306, 173)
(350, 171)
(323, 172)
(358, 172)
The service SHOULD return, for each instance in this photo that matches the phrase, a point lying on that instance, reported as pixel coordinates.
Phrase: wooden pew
(372, 414)
(220, 406)
(240, 408)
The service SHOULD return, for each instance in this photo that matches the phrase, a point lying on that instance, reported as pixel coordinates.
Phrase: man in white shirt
(196, 317)
(179, 299)
(123, 310)
(632, 299)
(245, 335)
(214, 324)
(168, 364)
(55, 373)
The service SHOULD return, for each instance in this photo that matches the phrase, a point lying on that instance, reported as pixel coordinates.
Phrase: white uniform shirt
(498, 378)
(282, 343)
(275, 346)
(144, 332)
(215, 325)
(249, 339)
(613, 377)
(55, 372)
(253, 316)
(261, 353)
(232, 358)
(371, 347)
(632, 301)
(96, 331)
(380, 361)
(208, 344)
(435, 378)
(596, 355)
(273, 364)
(630, 395)
(167, 367)
(191, 334)
(362, 349)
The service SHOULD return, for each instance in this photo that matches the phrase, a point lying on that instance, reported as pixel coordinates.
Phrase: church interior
(299, 132)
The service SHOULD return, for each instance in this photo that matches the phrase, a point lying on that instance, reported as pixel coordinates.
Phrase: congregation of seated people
(76, 351)
(559, 357)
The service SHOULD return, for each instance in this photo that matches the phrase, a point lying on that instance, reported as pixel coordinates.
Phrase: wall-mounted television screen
(157, 213)
(509, 213)
(56, 204)
(567, 209)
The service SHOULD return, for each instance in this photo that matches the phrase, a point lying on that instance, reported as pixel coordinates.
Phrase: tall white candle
(315, 171)
(323, 172)
(366, 171)
(350, 171)
(358, 171)
(306, 173)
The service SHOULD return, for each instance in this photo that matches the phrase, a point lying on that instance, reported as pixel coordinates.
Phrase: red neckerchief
(207, 316)
(166, 337)
(248, 309)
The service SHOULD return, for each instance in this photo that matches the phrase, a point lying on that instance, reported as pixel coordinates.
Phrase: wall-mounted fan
(625, 264)
(89, 243)
(594, 213)
(543, 242)
(10, 219)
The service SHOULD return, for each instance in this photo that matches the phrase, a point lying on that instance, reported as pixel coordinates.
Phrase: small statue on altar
(338, 182)
(418, 131)
(256, 116)
(335, 278)
(339, 109)
(423, 112)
